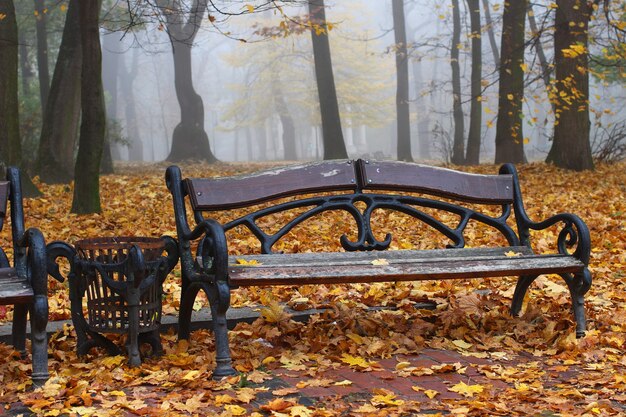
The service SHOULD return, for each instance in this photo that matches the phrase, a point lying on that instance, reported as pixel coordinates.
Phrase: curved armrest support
(574, 233)
(33, 240)
(213, 248)
(58, 249)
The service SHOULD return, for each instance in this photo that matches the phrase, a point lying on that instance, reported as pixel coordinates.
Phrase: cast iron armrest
(574, 233)
(212, 249)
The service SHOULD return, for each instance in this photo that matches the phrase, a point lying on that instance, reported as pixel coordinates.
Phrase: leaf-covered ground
(471, 317)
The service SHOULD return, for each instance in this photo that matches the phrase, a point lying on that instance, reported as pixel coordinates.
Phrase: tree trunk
(423, 114)
(10, 145)
(27, 72)
(571, 148)
(402, 82)
(491, 34)
(509, 133)
(289, 129)
(189, 140)
(61, 118)
(458, 146)
(476, 111)
(334, 145)
(546, 70)
(135, 150)
(93, 122)
(10, 141)
(42, 53)
(110, 75)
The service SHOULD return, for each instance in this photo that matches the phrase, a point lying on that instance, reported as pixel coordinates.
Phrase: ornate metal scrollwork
(366, 240)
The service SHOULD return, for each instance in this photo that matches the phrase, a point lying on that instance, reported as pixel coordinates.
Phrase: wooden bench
(25, 284)
(359, 188)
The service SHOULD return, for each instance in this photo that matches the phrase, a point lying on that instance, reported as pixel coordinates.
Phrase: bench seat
(14, 289)
(405, 265)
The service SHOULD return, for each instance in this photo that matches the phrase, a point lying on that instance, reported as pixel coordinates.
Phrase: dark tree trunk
(93, 122)
(458, 146)
(476, 111)
(10, 141)
(189, 140)
(27, 72)
(571, 148)
(509, 133)
(334, 145)
(42, 54)
(10, 145)
(491, 34)
(61, 118)
(289, 129)
(402, 82)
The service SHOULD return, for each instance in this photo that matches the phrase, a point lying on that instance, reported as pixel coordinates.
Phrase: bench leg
(18, 330)
(523, 283)
(219, 299)
(187, 298)
(39, 338)
(578, 285)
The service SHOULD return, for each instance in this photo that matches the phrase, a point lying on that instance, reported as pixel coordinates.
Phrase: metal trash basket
(121, 278)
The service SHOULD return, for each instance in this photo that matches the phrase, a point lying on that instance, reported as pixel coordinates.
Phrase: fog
(239, 83)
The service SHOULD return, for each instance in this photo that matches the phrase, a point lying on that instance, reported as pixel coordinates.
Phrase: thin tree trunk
(334, 145)
(42, 53)
(135, 150)
(509, 132)
(289, 129)
(402, 82)
(491, 34)
(110, 75)
(458, 146)
(546, 71)
(86, 197)
(423, 114)
(571, 148)
(476, 111)
(59, 131)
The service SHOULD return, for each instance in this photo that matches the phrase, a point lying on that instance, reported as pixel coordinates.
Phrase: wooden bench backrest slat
(4, 196)
(233, 192)
(442, 182)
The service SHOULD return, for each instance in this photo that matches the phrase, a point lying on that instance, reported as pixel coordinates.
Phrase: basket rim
(119, 242)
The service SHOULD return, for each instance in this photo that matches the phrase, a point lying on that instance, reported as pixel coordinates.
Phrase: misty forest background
(85, 83)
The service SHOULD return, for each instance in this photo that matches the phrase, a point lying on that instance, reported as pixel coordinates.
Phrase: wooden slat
(14, 290)
(412, 266)
(366, 258)
(408, 177)
(4, 195)
(232, 192)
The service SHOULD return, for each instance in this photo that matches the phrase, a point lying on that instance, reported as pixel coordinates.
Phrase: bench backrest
(338, 185)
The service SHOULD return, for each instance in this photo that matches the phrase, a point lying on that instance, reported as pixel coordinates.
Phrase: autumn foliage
(471, 317)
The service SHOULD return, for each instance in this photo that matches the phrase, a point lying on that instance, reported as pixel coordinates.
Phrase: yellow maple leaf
(386, 399)
(467, 390)
(355, 361)
(380, 262)
(300, 411)
(251, 262)
(511, 254)
(235, 410)
(250, 8)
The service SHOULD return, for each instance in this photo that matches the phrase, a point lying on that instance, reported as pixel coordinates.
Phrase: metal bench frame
(338, 185)
(25, 284)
